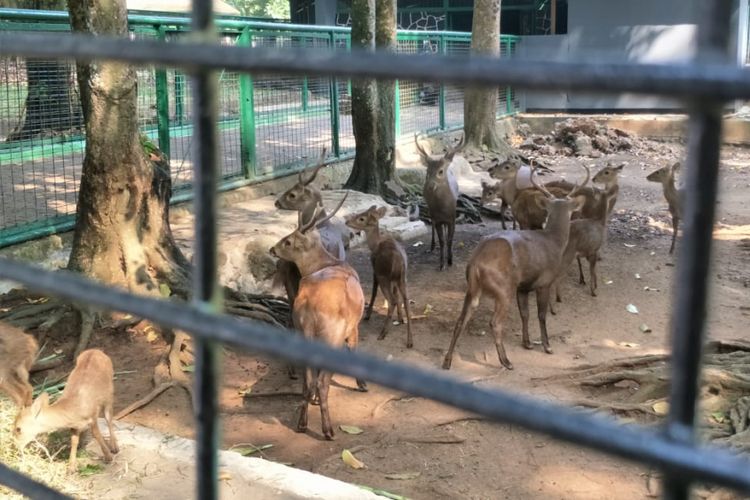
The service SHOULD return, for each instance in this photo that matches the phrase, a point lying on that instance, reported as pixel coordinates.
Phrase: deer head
(664, 174)
(506, 169)
(608, 174)
(490, 191)
(302, 195)
(366, 219)
(557, 206)
(437, 168)
(30, 422)
(305, 239)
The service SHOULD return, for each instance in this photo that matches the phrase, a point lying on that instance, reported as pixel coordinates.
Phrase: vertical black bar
(205, 282)
(694, 254)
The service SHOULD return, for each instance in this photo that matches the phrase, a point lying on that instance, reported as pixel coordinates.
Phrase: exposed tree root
(47, 365)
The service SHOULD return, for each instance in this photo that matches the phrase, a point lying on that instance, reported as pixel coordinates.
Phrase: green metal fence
(269, 125)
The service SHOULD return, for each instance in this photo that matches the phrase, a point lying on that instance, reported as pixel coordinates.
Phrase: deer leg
(523, 308)
(581, 279)
(405, 297)
(388, 292)
(556, 286)
(592, 274)
(17, 392)
(542, 301)
(451, 232)
(503, 207)
(374, 295)
(675, 225)
(498, 318)
(26, 390)
(441, 242)
(75, 436)
(352, 340)
(100, 439)
(324, 382)
(110, 421)
(399, 302)
(470, 305)
(432, 243)
(308, 391)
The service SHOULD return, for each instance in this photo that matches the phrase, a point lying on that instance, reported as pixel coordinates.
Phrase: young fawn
(665, 176)
(88, 392)
(516, 263)
(328, 306)
(389, 266)
(17, 353)
(441, 195)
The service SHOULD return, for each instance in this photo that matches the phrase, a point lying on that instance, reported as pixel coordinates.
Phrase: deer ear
(40, 403)
(676, 167)
(485, 184)
(380, 212)
(619, 167)
(578, 203)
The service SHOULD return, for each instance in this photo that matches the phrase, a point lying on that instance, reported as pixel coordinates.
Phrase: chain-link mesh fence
(268, 126)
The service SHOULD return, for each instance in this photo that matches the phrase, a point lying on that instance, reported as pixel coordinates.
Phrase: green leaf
(164, 290)
(351, 429)
(189, 368)
(719, 416)
(250, 449)
(90, 469)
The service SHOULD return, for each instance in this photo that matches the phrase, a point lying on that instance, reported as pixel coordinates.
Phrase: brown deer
(518, 262)
(328, 306)
(665, 176)
(88, 392)
(17, 353)
(389, 264)
(441, 195)
(585, 240)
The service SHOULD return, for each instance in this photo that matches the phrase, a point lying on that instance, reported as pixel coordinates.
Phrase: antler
(575, 190)
(540, 187)
(458, 147)
(303, 226)
(420, 149)
(318, 166)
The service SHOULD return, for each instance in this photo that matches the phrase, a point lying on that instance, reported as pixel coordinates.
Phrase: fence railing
(704, 86)
(269, 125)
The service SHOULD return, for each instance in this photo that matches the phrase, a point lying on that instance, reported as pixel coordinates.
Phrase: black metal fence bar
(713, 81)
(603, 434)
(28, 486)
(205, 278)
(694, 256)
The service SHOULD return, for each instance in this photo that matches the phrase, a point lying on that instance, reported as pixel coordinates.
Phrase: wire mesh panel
(268, 126)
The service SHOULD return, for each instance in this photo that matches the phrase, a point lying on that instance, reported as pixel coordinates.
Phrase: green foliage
(276, 9)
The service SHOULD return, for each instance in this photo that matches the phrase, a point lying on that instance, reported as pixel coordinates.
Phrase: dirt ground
(449, 455)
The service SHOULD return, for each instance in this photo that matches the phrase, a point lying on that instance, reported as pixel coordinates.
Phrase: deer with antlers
(328, 305)
(305, 198)
(516, 263)
(441, 195)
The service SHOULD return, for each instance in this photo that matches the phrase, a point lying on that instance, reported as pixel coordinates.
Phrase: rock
(528, 144)
(596, 154)
(582, 145)
(547, 150)
(260, 264)
(601, 142)
(566, 151)
(524, 130)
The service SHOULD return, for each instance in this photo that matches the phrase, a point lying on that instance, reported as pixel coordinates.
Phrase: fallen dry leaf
(351, 429)
(661, 408)
(403, 475)
(351, 460)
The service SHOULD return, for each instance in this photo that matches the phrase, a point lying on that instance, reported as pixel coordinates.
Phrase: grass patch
(50, 470)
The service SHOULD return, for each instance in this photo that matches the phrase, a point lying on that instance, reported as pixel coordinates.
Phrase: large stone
(582, 145)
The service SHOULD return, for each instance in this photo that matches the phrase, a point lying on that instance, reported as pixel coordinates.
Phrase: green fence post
(508, 96)
(441, 96)
(334, 106)
(179, 96)
(247, 114)
(397, 110)
(162, 102)
(349, 49)
(304, 94)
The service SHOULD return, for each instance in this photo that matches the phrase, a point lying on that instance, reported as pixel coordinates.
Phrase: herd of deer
(558, 221)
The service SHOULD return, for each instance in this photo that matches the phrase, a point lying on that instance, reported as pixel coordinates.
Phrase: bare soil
(455, 456)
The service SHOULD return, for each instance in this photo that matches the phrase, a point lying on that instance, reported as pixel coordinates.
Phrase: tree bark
(364, 104)
(122, 234)
(480, 103)
(50, 106)
(385, 40)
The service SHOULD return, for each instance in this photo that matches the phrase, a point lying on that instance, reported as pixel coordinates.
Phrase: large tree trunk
(385, 40)
(122, 233)
(51, 105)
(480, 103)
(364, 175)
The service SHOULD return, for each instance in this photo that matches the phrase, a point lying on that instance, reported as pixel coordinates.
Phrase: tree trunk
(364, 176)
(51, 105)
(480, 103)
(385, 40)
(122, 234)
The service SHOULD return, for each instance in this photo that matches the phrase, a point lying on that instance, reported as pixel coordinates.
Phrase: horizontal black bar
(720, 82)
(604, 434)
(28, 486)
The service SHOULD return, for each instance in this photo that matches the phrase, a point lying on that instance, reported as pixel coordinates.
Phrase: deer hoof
(362, 386)
(507, 364)
(528, 345)
(548, 349)
(447, 363)
(328, 435)
(409, 345)
(593, 293)
(381, 336)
